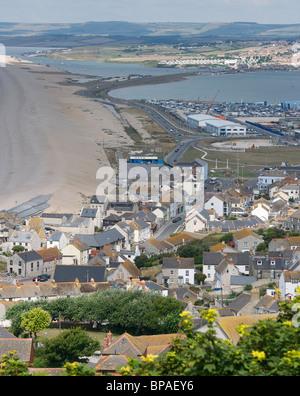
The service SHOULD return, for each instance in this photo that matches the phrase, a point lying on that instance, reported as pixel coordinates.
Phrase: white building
(225, 128)
(288, 283)
(199, 120)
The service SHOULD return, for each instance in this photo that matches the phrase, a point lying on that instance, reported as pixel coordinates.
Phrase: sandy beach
(51, 140)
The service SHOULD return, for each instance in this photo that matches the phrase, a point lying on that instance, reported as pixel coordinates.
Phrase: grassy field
(248, 161)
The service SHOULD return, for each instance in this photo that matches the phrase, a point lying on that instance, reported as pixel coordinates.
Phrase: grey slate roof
(213, 258)
(101, 239)
(84, 273)
(232, 225)
(87, 212)
(30, 256)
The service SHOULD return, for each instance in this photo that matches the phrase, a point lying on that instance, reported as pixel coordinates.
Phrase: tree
(35, 320)
(141, 261)
(18, 249)
(268, 348)
(68, 347)
(11, 366)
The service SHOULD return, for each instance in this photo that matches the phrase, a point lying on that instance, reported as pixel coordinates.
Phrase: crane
(211, 103)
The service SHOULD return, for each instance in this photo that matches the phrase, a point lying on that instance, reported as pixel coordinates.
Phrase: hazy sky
(41, 11)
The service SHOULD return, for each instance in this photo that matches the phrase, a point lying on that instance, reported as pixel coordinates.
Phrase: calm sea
(270, 86)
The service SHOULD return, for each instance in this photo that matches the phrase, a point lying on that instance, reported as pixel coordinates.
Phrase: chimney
(105, 342)
(77, 282)
(255, 294)
(93, 283)
(109, 338)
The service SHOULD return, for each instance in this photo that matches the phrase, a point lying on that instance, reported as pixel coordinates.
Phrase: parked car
(176, 219)
(41, 278)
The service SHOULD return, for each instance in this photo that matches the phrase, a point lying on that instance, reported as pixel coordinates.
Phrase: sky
(74, 11)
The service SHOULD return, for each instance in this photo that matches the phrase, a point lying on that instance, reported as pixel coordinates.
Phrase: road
(168, 228)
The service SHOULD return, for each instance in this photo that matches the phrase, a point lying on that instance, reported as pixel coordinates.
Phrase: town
(225, 248)
(149, 192)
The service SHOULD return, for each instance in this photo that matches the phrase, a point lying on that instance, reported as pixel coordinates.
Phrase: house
(80, 274)
(196, 221)
(29, 240)
(55, 219)
(288, 243)
(36, 291)
(77, 225)
(270, 265)
(38, 225)
(154, 247)
(110, 237)
(178, 271)
(120, 207)
(116, 352)
(159, 211)
(244, 303)
(212, 259)
(293, 222)
(134, 284)
(220, 204)
(23, 347)
(226, 326)
(267, 178)
(228, 277)
(92, 213)
(124, 271)
(110, 221)
(76, 253)
(123, 228)
(234, 225)
(51, 257)
(246, 240)
(99, 202)
(57, 239)
(222, 248)
(179, 240)
(25, 264)
(141, 230)
(288, 283)
(261, 209)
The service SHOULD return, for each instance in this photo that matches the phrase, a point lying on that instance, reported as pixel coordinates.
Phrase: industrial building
(198, 121)
(225, 128)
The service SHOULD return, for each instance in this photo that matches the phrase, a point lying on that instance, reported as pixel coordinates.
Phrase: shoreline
(52, 140)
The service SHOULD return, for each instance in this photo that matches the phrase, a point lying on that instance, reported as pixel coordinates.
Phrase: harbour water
(271, 86)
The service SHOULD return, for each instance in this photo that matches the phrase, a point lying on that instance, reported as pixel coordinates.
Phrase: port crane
(211, 103)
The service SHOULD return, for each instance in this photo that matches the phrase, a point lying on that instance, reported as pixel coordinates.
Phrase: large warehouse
(199, 120)
(225, 128)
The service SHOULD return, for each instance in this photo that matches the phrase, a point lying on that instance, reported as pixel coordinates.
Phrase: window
(245, 243)
(187, 273)
(273, 262)
(31, 266)
(259, 262)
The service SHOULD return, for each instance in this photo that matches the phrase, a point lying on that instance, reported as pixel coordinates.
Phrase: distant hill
(71, 34)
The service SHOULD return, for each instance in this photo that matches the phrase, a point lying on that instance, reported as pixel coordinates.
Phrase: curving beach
(51, 140)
